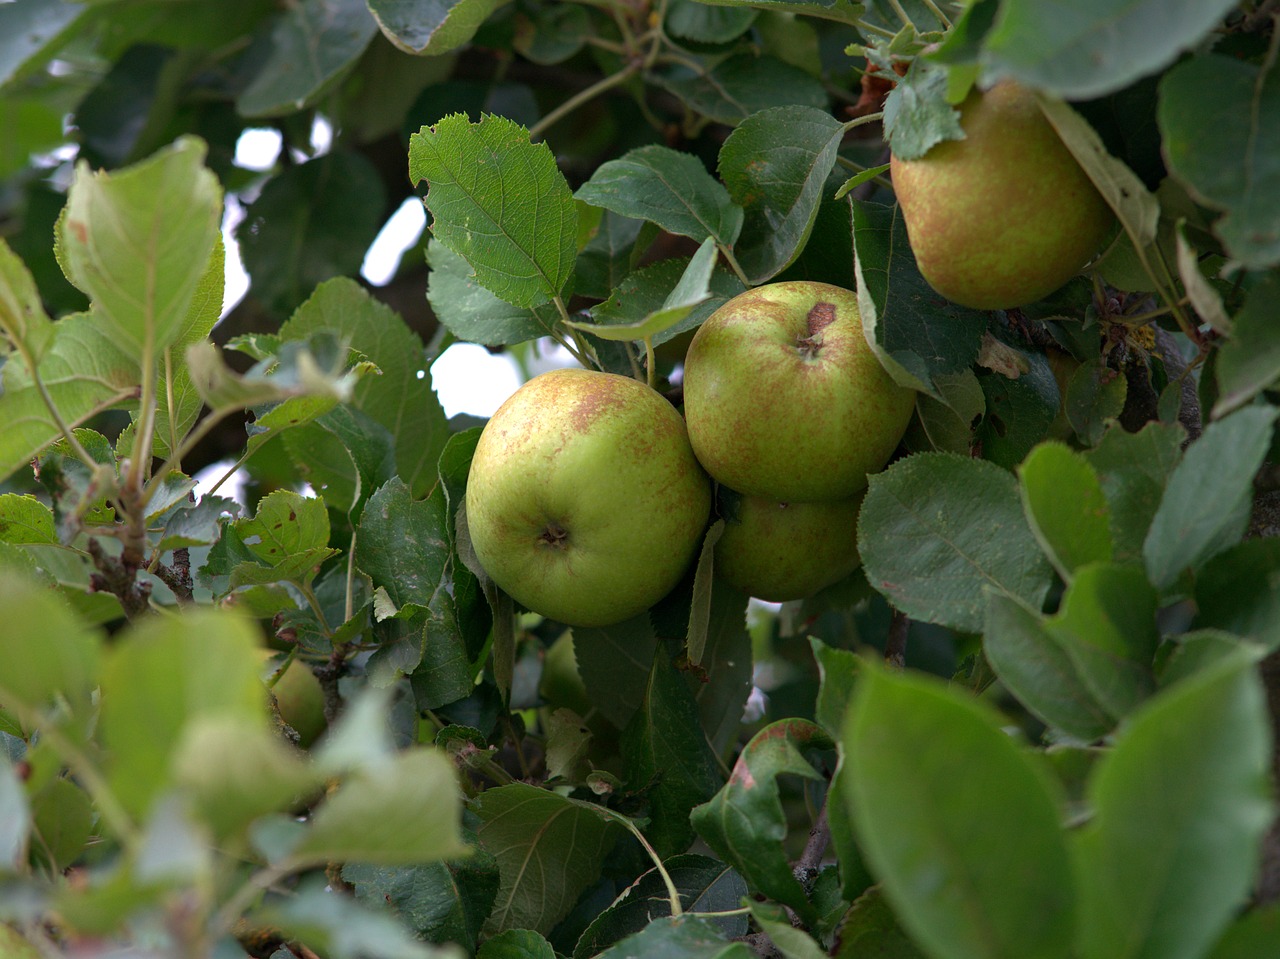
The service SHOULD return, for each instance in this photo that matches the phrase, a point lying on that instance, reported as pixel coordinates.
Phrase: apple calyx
(821, 315)
(554, 536)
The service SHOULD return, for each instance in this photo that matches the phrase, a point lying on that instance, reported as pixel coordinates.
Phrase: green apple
(584, 501)
(784, 551)
(14, 946)
(1005, 216)
(561, 684)
(300, 698)
(784, 398)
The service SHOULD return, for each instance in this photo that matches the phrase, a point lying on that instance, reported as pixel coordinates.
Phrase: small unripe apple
(784, 551)
(300, 699)
(1005, 216)
(14, 946)
(784, 398)
(584, 501)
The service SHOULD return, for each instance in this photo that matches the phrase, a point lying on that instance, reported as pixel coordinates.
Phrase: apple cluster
(788, 409)
(589, 495)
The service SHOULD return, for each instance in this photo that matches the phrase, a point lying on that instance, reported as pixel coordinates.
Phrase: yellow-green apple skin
(13, 946)
(1005, 216)
(300, 698)
(784, 551)
(584, 501)
(785, 400)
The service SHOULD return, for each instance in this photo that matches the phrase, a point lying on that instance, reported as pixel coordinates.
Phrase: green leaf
(870, 928)
(1063, 499)
(1018, 412)
(84, 372)
(403, 545)
(704, 885)
(745, 822)
(313, 221)
(23, 320)
(237, 770)
(791, 942)
(30, 30)
(441, 902)
(1249, 362)
(516, 944)
(431, 27)
(1231, 170)
(775, 165)
(1207, 504)
(63, 820)
(691, 20)
(1179, 808)
(549, 35)
(669, 188)
(288, 538)
(615, 662)
(1134, 205)
(549, 849)
(837, 673)
(668, 758)
(1254, 934)
(936, 528)
(47, 652)
(1133, 469)
(472, 313)
(24, 519)
(686, 936)
(917, 335)
(313, 44)
(178, 401)
(727, 660)
(917, 115)
(643, 294)
(500, 202)
(841, 11)
(743, 84)
(1090, 665)
(138, 242)
(983, 874)
(1239, 591)
(340, 928)
(163, 675)
(1045, 47)
(400, 397)
(1095, 395)
(376, 816)
(690, 291)
(345, 455)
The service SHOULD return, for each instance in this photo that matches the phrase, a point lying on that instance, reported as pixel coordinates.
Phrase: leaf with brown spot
(744, 822)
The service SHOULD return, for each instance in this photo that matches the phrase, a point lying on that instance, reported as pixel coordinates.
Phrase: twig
(807, 866)
(895, 647)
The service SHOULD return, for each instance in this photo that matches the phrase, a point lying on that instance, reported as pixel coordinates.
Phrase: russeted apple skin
(779, 552)
(584, 501)
(784, 398)
(1005, 216)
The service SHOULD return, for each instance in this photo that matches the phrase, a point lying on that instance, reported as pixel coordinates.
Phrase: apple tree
(268, 684)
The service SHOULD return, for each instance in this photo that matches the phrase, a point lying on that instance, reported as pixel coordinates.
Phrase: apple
(584, 501)
(784, 551)
(1005, 216)
(561, 684)
(299, 697)
(14, 946)
(784, 398)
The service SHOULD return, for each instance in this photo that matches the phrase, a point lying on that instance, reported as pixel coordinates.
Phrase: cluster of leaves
(1066, 538)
